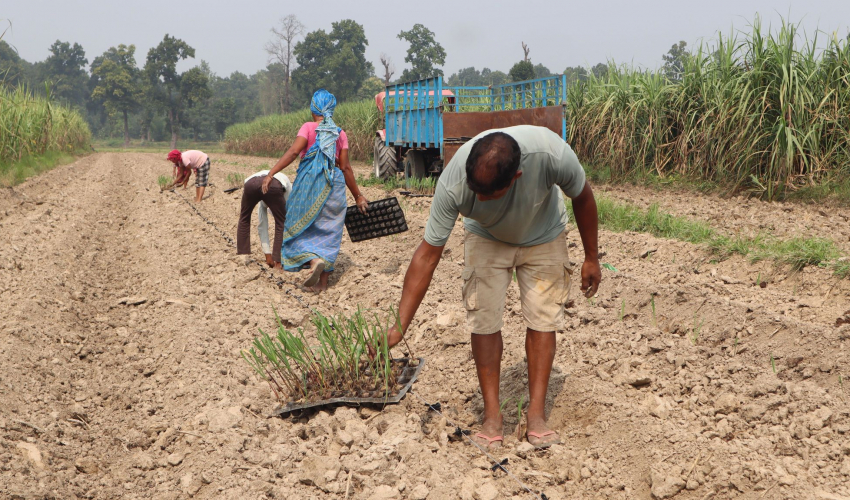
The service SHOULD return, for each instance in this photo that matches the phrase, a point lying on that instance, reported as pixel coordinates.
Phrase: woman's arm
(187, 173)
(351, 182)
(287, 158)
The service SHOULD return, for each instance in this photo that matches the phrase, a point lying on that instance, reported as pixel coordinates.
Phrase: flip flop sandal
(490, 441)
(542, 445)
(316, 274)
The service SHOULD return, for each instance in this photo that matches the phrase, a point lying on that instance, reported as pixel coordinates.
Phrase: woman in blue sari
(315, 210)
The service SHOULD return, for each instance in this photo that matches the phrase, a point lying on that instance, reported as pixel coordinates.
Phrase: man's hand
(362, 204)
(391, 338)
(394, 336)
(266, 183)
(591, 275)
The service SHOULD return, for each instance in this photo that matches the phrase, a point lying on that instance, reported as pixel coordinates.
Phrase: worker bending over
(275, 200)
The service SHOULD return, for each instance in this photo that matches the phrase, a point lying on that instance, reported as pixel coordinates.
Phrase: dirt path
(122, 315)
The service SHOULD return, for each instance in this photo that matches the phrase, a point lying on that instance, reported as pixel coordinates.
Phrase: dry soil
(123, 313)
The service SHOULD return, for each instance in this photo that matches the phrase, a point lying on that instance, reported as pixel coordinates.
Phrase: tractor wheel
(414, 165)
(383, 162)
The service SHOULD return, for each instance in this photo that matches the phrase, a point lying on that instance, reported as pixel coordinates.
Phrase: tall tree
(335, 61)
(522, 70)
(541, 71)
(168, 87)
(424, 54)
(281, 49)
(493, 77)
(194, 90)
(575, 75)
(389, 68)
(468, 77)
(116, 83)
(674, 61)
(370, 88)
(600, 70)
(13, 69)
(349, 65)
(64, 70)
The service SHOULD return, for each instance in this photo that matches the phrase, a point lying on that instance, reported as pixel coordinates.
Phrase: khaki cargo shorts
(542, 272)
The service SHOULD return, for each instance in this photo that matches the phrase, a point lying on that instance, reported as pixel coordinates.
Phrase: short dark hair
(492, 163)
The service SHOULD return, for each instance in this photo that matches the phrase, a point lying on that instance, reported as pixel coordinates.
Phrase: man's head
(493, 166)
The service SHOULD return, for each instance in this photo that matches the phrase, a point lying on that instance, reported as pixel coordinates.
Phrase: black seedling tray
(407, 377)
(383, 218)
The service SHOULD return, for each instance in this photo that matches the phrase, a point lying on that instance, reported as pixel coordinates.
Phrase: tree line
(153, 101)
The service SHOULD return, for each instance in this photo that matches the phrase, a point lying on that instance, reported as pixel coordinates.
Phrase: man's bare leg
(487, 352)
(540, 352)
(199, 193)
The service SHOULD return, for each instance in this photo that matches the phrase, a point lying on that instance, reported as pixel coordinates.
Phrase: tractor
(425, 122)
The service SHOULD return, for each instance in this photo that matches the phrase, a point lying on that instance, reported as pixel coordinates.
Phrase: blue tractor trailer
(426, 122)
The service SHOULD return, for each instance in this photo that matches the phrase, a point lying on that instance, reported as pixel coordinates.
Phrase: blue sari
(315, 210)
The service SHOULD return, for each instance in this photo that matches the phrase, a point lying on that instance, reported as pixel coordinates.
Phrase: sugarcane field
(340, 277)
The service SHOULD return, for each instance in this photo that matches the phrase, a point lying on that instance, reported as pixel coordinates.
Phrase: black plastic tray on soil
(383, 218)
(406, 379)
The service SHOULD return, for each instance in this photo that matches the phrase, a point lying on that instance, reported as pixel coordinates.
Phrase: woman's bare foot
(322, 285)
(317, 266)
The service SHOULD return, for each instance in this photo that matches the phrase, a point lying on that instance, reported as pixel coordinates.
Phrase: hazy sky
(230, 35)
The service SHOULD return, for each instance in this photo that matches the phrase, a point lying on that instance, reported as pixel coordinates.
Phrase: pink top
(193, 158)
(308, 131)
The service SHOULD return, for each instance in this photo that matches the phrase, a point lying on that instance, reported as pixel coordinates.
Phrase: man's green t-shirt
(531, 213)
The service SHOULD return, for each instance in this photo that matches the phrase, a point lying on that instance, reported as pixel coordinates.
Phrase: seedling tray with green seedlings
(235, 181)
(345, 362)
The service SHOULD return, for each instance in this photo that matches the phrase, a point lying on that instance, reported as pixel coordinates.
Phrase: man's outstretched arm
(587, 221)
(417, 279)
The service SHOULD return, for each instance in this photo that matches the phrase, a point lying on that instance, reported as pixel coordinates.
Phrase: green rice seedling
(425, 185)
(841, 268)
(652, 303)
(697, 328)
(336, 362)
(758, 279)
(503, 404)
(773, 363)
(389, 184)
(163, 181)
(235, 179)
(519, 406)
(622, 310)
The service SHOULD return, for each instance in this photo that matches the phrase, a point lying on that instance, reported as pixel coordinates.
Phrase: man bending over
(507, 184)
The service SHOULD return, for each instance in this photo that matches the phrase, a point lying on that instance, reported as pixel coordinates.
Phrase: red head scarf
(174, 156)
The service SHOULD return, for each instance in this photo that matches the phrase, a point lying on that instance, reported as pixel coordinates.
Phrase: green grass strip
(12, 173)
(794, 252)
